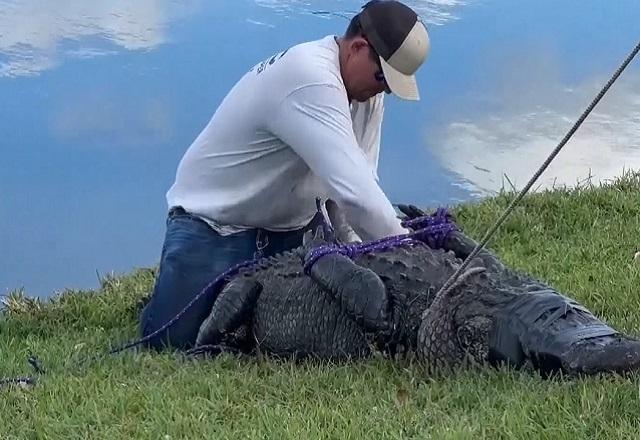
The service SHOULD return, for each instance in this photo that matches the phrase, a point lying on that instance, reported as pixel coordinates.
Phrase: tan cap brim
(401, 85)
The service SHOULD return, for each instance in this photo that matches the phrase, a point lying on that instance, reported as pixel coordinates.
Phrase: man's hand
(343, 231)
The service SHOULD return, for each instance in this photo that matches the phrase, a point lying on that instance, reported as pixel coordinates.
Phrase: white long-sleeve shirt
(284, 135)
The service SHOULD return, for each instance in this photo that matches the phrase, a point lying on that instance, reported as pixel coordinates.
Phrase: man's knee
(145, 328)
(171, 300)
(191, 260)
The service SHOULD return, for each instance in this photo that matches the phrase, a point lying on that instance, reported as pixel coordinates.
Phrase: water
(100, 100)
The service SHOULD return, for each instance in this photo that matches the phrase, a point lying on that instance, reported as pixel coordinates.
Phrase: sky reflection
(503, 147)
(432, 11)
(36, 36)
(530, 86)
(101, 99)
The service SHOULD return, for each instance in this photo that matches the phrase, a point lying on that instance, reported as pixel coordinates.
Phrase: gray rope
(535, 177)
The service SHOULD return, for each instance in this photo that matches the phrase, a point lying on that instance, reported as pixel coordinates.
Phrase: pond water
(100, 100)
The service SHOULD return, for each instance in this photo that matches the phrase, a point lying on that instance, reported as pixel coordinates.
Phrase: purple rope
(432, 230)
(441, 216)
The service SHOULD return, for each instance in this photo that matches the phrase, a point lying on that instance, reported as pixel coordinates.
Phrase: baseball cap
(400, 39)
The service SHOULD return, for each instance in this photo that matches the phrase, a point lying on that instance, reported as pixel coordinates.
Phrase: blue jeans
(193, 255)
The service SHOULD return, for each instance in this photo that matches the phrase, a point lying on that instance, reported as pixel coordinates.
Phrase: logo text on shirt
(260, 67)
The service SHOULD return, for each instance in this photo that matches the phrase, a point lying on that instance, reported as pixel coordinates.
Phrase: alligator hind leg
(359, 290)
(231, 309)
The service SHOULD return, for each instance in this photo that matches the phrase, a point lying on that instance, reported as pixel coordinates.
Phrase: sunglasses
(379, 75)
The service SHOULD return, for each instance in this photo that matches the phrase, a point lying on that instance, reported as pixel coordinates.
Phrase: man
(302, 124)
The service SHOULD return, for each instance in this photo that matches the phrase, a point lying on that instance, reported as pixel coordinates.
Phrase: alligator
(390, 300)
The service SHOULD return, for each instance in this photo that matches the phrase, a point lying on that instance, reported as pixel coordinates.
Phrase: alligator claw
(211, 351)
(411, 211)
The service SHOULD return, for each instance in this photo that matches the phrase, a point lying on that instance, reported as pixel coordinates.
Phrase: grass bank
(582, 241)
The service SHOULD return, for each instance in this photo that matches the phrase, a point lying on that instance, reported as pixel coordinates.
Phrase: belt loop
(176, 210)
(262, 241)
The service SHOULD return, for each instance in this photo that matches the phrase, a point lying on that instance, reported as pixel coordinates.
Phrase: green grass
(582, 241)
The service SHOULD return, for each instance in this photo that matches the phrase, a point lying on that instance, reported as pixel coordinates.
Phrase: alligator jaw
(555, 334)
(607, 354)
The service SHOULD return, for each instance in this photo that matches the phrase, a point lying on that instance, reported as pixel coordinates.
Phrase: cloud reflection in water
(432, 11)
(524, 116)
(36, 36)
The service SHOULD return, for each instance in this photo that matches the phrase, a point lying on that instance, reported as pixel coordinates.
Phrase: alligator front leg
(462, 245)
(232, 308)
(360, 291)
(456, 241)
